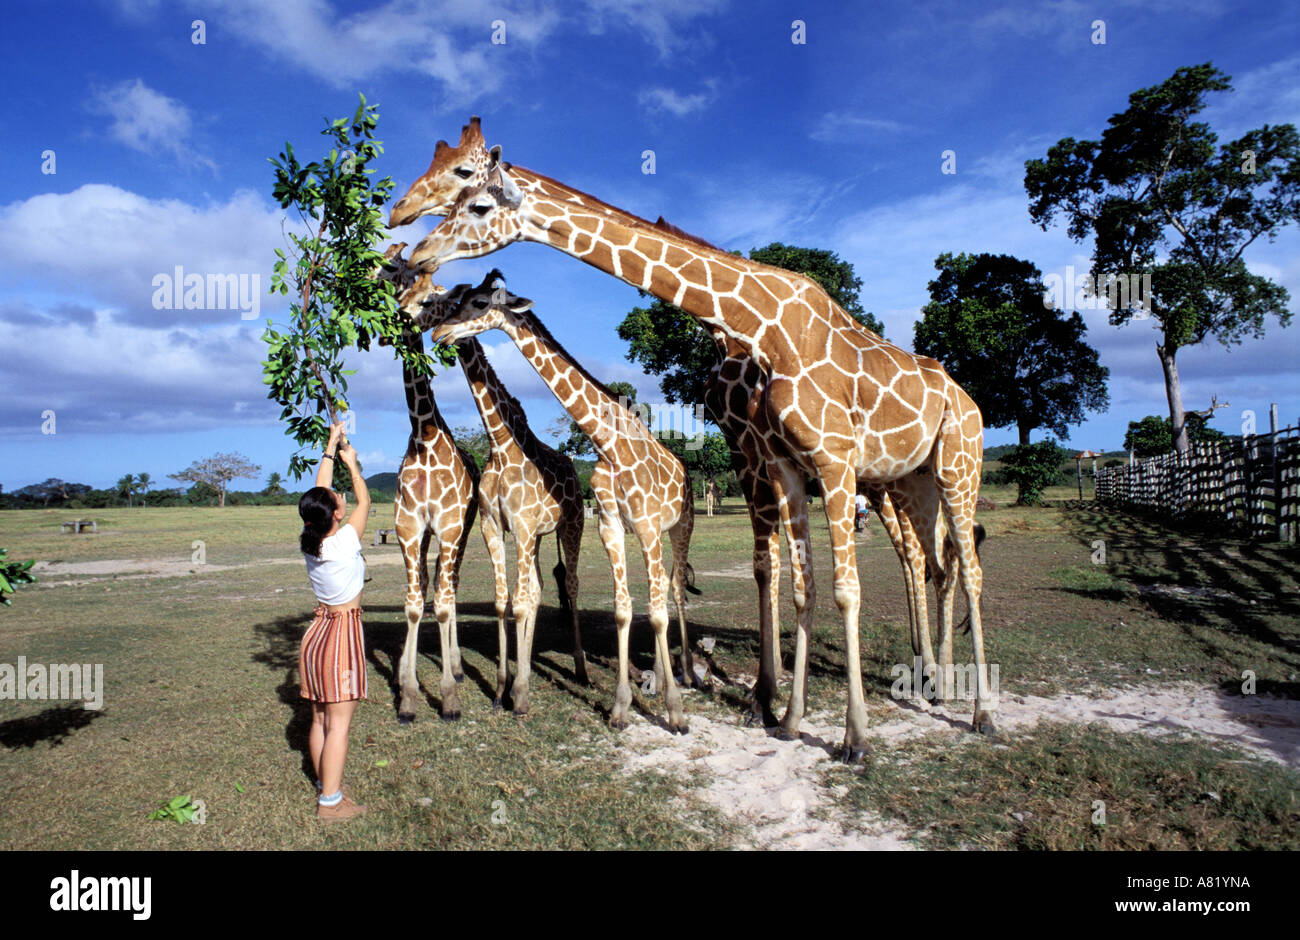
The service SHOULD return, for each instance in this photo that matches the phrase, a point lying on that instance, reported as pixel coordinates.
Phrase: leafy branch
(331, 271)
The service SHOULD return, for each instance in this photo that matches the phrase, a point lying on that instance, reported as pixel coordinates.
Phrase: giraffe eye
(463, 172)
(480, 210)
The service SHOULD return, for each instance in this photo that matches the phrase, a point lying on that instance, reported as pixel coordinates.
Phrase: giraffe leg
(838, 488)
(788, 485)
(571, 544)
(958, 493)
(611, 534)
(528, 593)
(764, 518)
(444, 608)
(945, 591)
(412, 557)
(652, 551)
(497, 553)
(680, 538)
(462, 542)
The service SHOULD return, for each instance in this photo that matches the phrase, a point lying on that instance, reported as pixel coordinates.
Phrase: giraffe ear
(517, 304)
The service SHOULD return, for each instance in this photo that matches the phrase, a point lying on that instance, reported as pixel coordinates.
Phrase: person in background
(860, 513)
(332, 658)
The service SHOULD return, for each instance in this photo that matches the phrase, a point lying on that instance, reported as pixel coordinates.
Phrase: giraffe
(437, 485)
(840, 402)
(733, 382)
(637, 481)
(732, 390)
(529, 489)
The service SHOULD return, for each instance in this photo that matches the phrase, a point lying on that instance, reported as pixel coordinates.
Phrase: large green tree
(1153, 435)
(1025, 363)
(707, 457)
(668, 342)
(1159, 196)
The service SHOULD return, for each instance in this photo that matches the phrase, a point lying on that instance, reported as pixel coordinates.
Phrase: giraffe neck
(592, 406)
(426, 420)
(503, 418)
(726, 293)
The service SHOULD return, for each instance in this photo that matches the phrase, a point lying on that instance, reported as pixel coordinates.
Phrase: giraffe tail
(689, 580)
(560, 573)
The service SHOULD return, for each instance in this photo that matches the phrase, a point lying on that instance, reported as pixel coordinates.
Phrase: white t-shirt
(860, 502)
(339, 573)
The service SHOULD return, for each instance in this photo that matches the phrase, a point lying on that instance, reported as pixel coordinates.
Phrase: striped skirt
(332, 659)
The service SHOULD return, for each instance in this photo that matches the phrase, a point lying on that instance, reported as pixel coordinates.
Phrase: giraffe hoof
(405, 718)
(458, 676)
(854, 755)
(450, 716)
(496, 705)
(618, 724)
(683, 728)
(785, 734)
(984, 724)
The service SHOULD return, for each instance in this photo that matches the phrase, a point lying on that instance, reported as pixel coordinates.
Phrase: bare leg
(334, 751)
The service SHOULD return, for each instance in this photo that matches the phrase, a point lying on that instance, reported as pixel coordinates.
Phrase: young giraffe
(734, 382)
(437, 485)
(529, 489)
(637, 481)
(840, 402)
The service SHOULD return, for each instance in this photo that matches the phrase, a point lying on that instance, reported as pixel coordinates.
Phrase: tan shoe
(342, 810)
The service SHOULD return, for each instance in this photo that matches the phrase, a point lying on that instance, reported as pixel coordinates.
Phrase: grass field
(201, 693)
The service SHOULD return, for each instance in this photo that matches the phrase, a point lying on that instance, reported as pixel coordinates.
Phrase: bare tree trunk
(1024, 430)
(221, 498)
(1177, 417)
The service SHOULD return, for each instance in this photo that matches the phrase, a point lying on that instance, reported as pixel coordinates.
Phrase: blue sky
(160, 147)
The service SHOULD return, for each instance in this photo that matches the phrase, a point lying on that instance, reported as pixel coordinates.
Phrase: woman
(331, 662)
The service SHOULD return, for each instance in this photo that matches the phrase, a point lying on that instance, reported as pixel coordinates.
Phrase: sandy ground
(775, 787)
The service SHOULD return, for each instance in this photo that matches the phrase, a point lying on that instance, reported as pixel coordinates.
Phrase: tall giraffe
(733, 384)
(637, 481)
(732, 391)
(530, 490)
(840, 402)
(437, 484)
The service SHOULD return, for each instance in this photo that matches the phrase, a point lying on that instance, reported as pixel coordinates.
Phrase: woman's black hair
(317, 510)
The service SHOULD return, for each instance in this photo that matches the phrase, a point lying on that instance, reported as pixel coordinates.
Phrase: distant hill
(387, 482)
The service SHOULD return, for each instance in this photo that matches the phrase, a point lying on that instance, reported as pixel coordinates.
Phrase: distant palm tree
(143, 482)
(126, 487)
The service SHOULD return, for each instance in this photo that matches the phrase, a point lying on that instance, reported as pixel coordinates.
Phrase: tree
(217, 471)
(126, 487)
(706, 458)
(273, 485)
(1159, 200)
(1033, 467)
(475, 442)
(1023, 362)
(339, 302)
(143, 482)
(667, 342)
(1153, 435)
(578, 444)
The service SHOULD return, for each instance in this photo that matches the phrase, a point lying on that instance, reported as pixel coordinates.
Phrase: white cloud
(658, 100)
(841, 125)
(449, 40)
(661, 22)
(107, 244)
(148, 121)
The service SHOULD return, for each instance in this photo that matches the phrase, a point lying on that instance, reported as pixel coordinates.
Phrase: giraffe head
(483, 219)
(453, 170)
(466, 311)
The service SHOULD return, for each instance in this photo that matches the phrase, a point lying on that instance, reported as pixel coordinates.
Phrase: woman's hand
(348, 454)
(336, 434)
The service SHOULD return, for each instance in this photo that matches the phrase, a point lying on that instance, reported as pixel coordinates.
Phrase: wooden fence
(1252, 484)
